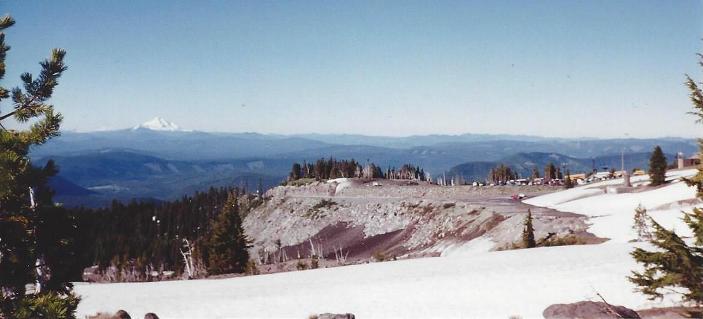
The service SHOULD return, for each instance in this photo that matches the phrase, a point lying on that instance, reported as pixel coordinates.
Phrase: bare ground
(360, 220)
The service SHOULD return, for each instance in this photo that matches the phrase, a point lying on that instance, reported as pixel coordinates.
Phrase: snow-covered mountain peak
(158, 124)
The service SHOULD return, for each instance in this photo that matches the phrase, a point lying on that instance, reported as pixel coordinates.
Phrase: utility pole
(622, 159)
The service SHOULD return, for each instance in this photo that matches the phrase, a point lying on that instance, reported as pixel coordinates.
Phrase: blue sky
(552, 68)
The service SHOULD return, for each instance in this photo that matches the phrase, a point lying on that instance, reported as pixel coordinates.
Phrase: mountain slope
(95, 178)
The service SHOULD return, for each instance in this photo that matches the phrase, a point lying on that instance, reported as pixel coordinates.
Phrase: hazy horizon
(185, 129)
(595, 69)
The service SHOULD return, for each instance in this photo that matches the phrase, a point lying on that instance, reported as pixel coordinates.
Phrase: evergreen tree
(228, 243)
(674, 264)
(550, 171)
(568, 183)
(640, 225)
(260, 188)
(31, 248)
(501, 174)
(528, 232)
(696, 96)
(657, 167)
(295, 172)
(535, 173)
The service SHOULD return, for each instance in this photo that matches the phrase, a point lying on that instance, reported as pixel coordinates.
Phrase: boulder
(121, 314)
(588, 310)
(151, 315)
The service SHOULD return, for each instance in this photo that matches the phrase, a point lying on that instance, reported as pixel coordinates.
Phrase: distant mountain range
(157, 160)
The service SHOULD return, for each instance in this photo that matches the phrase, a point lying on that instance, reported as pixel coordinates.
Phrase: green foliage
(550, 171)
(501, 174)
(324, 169)
(314, 262)
(640, 225)
(141, 234)
(567, 240)
(301, 265)
(49, 305)
(696, 96)
(674, 264)
(299, 182)
(27, 233)
(331, 168)
(316, 210)
(657, 167)
(694, 220)
(379, 256)
(228, 244)
(251, 268)
(568, 183)
(528, 232)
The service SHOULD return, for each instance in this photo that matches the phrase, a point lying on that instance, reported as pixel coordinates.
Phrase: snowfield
(611, 213)
(470, 284)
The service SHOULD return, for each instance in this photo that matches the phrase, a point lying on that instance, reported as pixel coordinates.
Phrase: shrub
(251, 268)
(48, 305)
(315, 211)
(299, 182)
(448, 205)
(301, 265)
(379, 256)
(314, 262)
(564, 241)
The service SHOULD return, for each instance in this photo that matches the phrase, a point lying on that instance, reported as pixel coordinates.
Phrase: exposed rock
(151, 315)
(397, 218)
(588, 310)
(335, 316)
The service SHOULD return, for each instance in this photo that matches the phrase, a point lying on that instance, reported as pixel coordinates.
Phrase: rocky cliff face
(361, 220)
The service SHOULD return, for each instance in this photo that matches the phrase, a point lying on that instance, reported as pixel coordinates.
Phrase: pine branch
(39, 90)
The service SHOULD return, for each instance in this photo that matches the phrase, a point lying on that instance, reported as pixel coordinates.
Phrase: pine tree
(696, 96)
(295, 172)
(657, 167)
(568, 183)
(674, 264)
(640, 225)
(25, 200)
(550, 171)
(228, 244)
(528, 232)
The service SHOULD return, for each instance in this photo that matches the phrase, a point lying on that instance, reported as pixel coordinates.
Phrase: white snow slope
(481, 285)
(158, 124)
